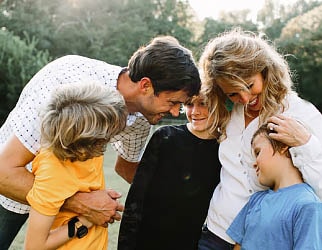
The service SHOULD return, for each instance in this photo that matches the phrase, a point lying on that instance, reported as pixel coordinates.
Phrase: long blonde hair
(80, 119)
(232, 58)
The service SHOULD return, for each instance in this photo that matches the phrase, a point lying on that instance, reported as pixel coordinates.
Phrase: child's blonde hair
(80, 119)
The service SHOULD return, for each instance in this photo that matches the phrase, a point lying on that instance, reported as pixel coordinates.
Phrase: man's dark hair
(169, 65)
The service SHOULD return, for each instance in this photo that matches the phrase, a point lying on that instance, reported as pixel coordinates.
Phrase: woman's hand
(288, 130)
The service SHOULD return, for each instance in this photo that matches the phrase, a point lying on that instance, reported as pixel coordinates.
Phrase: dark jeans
(210, 241)
(10, 224)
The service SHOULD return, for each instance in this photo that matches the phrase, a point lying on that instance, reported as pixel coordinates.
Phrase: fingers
(107, 214)
(288, 130)
(105, 224)
(117, 216)
(272, 127)
(111, 221)
(113, 194)
(119, 207)
(278, 120)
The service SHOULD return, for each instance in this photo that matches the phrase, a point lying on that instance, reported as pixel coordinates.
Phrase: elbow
(122, 173)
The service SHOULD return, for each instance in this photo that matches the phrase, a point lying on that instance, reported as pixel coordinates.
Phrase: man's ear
(146, 85)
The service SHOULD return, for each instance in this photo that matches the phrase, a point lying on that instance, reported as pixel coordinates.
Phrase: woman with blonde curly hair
(77, 123)
(247, 83)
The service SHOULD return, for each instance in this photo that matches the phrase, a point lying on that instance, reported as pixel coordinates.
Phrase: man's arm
(15, 179)
(125, 169)
(100, 207)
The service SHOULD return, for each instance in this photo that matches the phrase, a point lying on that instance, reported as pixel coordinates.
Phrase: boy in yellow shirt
(77, 123)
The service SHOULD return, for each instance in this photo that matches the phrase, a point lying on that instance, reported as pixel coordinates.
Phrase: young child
(168, 200)
(286, 216)
(77, 123)
(245, 69)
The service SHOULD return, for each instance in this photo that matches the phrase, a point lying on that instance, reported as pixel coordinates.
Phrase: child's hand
(85, 222)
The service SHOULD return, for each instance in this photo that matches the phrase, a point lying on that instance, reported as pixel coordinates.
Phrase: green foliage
(111, 30)
(214, 27)
(29, 17)
(275, 14)
(307, 65)
(302, 38)
(19, 61)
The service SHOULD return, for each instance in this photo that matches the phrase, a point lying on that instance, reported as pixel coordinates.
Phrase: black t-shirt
(168, 201)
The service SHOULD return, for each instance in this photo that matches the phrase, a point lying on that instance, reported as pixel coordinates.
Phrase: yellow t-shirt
(55, 181)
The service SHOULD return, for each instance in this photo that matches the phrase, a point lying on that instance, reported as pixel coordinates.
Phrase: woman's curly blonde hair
(233, 58)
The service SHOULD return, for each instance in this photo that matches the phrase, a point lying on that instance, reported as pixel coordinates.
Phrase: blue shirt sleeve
(308, 227)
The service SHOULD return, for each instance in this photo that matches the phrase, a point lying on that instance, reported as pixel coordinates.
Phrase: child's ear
(285, 151)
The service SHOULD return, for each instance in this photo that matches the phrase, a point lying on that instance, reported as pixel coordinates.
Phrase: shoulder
(170, 130)
(304, 193)
(167, 134)
(80, 63)
(258, 196)
(75, 58)
(297, 105)
(45, 159)
(309, 209)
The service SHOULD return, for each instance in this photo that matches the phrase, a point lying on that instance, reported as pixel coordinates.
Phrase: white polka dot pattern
(24, 122)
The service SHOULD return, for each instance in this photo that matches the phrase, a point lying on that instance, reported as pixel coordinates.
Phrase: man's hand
(100, 207)
(288, 130)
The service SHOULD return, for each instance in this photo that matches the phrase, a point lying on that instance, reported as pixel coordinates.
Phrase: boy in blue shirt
(286, 216)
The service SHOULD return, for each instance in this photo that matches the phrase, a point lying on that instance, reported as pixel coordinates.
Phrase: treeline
(34, 32)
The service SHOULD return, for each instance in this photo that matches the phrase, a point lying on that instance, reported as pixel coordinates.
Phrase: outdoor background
(35, 32)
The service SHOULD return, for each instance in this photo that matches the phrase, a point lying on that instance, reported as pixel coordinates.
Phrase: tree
(302, 37)
(110, 30)
(19, 61)
(275, 14)
(225, 22)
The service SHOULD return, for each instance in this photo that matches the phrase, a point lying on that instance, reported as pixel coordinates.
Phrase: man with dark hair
(159, 77)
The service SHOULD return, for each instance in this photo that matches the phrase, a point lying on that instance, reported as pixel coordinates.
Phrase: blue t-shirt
(289, 218)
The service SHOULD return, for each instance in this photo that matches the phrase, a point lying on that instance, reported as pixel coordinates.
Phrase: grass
(112, 181)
